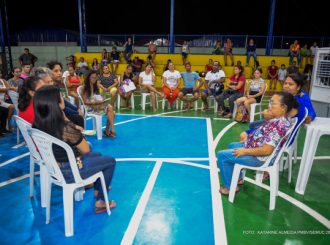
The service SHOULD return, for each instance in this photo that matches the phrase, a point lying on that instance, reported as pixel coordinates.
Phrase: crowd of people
(42, 103)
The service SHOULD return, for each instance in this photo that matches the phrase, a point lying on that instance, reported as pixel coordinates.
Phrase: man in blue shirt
(190, 86)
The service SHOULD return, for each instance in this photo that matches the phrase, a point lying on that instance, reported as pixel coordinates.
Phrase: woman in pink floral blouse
(259, 144)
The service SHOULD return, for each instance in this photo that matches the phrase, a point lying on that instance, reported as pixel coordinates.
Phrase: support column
(269, 44)
(82, 25)
(172, 28)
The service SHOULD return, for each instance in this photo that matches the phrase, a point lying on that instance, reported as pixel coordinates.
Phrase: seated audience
(235, 90)
(128, 49)
(213, 84)
(97, 103)
(82, 66)
(105, 58)
(217, 48)
(5, 102)
(282, 74)
(16, 82)
(253, 94)
(108, 82)
(125, 79)
(73, 82)
(190, 86)
(292, 68)
(95, 65)
(48, 108)
(256, 147)
(171, 82)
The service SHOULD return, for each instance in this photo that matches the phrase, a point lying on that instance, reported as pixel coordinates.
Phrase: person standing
(128, 49)
(27, 58)
(251, 51)
(185, 50)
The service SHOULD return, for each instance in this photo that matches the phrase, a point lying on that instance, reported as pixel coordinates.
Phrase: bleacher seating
(198, 62)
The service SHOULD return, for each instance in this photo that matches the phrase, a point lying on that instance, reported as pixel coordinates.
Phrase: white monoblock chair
(97, 119)
(291, 149)
(70, 98)
(119, 101)
(44, 143)
(271, 166)
(252, 106)
(14, 98)
(144, 100)
(176, 103)
(214, 102)
(24, 126)
(195, 102)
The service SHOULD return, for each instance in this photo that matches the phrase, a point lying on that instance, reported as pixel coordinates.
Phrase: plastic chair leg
(105, 193)
(252, 112)
(68, 211)
(43, 185)
(132, 101)
(48, 198)
(31, 175)
(273, 189)
(234, 181)
(98, 126)
(143, 102)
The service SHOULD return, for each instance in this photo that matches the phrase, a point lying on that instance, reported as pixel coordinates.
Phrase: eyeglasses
(272, 103)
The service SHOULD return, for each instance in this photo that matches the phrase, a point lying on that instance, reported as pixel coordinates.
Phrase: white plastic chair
(252, 106)
(70, 98)
(214, 102)
(144, 100)
(119, 101)
(195, 102)
(291, 149)
(271, 166)
(14, 98)
(97, 119)
(44, 143)
(24, 126)
(164, 101)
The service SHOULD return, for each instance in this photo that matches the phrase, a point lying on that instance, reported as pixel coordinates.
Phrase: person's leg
(69, 108)
(182, 96)
(241, 100)
(204, 99)
(231, 58)
(111, 66)
(175, 94)
(271, 84)
(227, 160)
(298, 58)
(255, 58)
(113, 94)
(291, 57)
(94, 164)
(116, 67)
(195, 96)
(110, 119)
(221, 99)
(153, 100)
(248, 55)
(167, 92)
(225, 57)
(128, 99)
(248, 102)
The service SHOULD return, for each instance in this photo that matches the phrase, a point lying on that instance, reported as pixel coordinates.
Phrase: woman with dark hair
(25, 99)
(96, 103)
(259, 144)
(126, 78)
(253, 93)
(235, 90)
(49, 117)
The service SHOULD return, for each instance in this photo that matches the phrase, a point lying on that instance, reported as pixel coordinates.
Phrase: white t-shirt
(171, 77)
(210, 76)
(184, 48)
(147, 79)
(313, 49)
(82, 64)
(281, 74)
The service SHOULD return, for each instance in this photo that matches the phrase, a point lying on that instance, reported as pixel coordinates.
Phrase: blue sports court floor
(166, 188)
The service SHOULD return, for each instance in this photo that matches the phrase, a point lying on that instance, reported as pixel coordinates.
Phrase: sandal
(224, 191)
(240, 182)
(112, 205)
(109, 134)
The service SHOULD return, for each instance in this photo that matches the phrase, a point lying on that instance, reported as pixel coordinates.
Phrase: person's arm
(178, 82)
(165, 83)
(6, 88)
(238, 86)
(100, 86)
(311, 112)
(140, 81)
(34, 58)
(121, 81)
(21, 60)
(264, 150)
(200, 83)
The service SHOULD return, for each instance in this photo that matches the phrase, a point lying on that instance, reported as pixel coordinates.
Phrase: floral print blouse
(270, 132)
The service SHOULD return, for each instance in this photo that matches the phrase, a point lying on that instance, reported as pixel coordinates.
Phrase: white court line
(163, 116)
(324, 221)
(219, 228)
(7, 182)
(221, 133)
(221, 119)
(139, 211)
(318, 158)
(14, 159)
(19, 145)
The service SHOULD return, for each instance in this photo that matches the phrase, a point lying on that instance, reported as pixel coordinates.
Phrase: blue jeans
(227, 160)
(249, 54)
(93, 162)
(293, 54)
(256, 124)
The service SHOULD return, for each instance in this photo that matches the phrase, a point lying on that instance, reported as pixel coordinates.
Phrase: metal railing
(198, 40)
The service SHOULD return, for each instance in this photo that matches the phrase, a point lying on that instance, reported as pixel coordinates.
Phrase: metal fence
(239, 41)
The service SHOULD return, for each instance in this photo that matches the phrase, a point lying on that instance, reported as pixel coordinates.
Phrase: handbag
(239, 113)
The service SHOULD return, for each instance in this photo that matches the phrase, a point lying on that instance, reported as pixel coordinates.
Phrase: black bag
(216, 87)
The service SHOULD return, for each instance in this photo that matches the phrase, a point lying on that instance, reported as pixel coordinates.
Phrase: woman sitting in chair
(73, 82)
(253, 94)
(97, 104)
(50, 118)
(259, 144)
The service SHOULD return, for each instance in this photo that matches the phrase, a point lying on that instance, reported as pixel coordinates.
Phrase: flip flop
(227, 194)
(99, 210)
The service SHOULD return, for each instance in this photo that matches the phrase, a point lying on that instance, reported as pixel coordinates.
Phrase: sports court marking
(140, 208)
(324, 221)
(219, 228)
